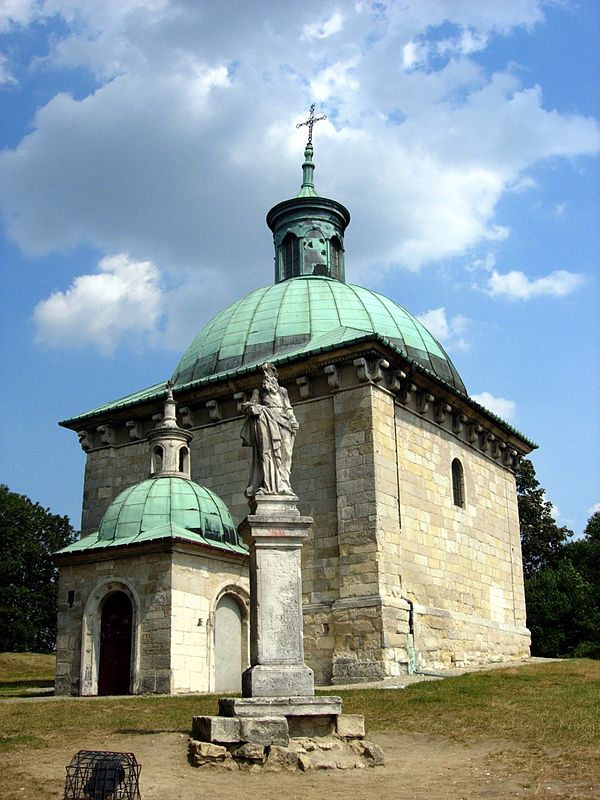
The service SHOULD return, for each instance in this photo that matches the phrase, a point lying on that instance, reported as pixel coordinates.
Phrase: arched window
(458, 483)
(157, 459)
(290, 254)
(335, 251)
(184, 460)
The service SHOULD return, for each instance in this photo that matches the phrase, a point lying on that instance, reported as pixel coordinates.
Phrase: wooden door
(115, 645)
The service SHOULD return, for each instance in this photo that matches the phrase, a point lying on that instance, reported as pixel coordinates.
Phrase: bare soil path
(417, 767)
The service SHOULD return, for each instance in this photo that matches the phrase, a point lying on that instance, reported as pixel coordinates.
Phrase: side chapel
(414, 559)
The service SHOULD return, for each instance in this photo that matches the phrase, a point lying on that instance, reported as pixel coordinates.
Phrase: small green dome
(287, 316)
(161, 502)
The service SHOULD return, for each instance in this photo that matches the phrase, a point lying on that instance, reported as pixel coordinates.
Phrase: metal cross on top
(311, 121)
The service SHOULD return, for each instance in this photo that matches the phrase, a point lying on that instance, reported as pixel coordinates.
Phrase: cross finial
(311, 121)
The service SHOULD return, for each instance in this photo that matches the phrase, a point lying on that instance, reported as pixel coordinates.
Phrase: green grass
(25, 673)
(556, 704)
(547, 713)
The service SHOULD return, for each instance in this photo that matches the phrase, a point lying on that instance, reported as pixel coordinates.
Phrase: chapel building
(414, 559)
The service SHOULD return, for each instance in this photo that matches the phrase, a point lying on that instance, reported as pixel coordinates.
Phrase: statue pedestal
(270, 724)
(274, 533)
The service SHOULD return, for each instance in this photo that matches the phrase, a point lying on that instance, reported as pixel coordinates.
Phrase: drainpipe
(410, 639)
(413, 664)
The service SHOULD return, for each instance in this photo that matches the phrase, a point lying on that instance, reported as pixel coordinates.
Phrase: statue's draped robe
(269, 430)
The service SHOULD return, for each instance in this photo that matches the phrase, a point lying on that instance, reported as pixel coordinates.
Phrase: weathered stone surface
(216, 729)
(314, 725)
(281, 758)
(254, 753)
(373, 753)
(276, 623)
(201, 753)
(264, 730)
(304, 762)
(280, 706)
(266, 680)
(351, 726)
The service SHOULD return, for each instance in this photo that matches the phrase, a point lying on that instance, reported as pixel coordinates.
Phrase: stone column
(274, 533)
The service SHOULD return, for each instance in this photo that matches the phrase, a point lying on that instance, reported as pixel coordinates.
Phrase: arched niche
(91, 635)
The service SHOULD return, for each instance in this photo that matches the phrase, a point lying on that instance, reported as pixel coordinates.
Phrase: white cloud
(325, 28)
(500, 406)
(593, 510)
(190, 131)
(6, 75)
(516, 285)
(122, 301)
(449, 331)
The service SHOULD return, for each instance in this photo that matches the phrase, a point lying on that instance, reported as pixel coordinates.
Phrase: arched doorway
(228, 645)
(114, 673)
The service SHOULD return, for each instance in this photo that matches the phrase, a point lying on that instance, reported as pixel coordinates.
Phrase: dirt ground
(417, 768)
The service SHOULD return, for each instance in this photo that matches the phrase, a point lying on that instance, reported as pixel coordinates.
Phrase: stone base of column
(278, 680)
(282, 733)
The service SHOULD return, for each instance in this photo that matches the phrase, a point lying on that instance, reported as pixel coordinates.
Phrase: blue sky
(143, 142)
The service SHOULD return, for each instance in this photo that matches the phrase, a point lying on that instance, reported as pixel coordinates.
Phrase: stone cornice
(136, 549)
(368, 362)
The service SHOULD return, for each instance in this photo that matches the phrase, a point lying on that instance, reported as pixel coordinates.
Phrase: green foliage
(29, 534)
(562, 577)
(561, 612)
(542, 541)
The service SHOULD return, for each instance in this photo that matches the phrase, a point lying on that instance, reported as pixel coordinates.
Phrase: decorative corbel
(333, 377)
(441, 411)
(406, 390)
(370, 372)
(484, 440)
(85, 440)
(473, 431)
(157, 418)
(423, 401)
(362, 369)
(395, 379)
(187, 417)
(509, 456)
(500, 450)
(107, 434)
(240, 398)
(304, 386)
(134, 428)
(214, 410)
(458, 422)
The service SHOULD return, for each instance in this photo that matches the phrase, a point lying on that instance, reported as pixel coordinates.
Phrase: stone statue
(269, 430)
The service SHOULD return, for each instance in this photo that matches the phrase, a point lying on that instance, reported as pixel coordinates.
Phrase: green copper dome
(290, 315)
(163, 501)
(164, 507)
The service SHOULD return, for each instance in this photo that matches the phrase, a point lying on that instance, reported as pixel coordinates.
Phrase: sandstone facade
(396, 575)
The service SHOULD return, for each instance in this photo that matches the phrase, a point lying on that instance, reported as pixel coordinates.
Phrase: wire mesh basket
(102, 775)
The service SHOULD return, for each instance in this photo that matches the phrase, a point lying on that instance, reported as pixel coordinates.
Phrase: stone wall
(197, 583)
(147, 580)
(394, 574)
(173, 597)
(461, 566)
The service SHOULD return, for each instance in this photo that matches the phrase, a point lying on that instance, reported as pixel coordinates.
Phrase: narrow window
(183, 460)
(458, 483)
(335, 250)
(290, 255)
(157, 459)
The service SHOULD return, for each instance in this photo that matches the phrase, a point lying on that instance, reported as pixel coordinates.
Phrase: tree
(562, 577)
(561, 612)
(542, 541)
(29, 534)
